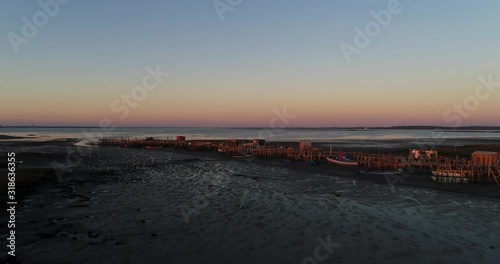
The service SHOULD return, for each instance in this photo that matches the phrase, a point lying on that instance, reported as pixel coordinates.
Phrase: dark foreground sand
(165, 206)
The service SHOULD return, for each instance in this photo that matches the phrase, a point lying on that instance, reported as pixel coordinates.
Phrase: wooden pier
(480, 168)
(305, 151)
(458, 170)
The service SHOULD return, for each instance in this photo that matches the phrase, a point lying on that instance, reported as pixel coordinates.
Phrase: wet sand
(174, 206)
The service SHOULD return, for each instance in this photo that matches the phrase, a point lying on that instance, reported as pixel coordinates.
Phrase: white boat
(344, 162)
(380, 172)
(242, 156)
(446, 174)
(449, 179)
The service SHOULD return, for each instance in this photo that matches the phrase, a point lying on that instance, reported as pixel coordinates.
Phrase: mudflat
(112, 205)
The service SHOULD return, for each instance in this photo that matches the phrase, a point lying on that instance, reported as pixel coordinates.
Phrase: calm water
(289, 134)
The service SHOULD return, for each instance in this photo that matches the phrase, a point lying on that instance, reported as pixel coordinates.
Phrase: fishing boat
(150, 147)
(342, 161)
(380, 172)
(446, 174)
(242, 156)
(449, 179)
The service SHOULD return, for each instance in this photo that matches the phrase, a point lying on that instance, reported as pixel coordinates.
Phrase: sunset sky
(263, 55)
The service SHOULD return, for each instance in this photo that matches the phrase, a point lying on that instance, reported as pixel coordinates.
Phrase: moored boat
(241, 156)
(342, 161)
(151, 147)
(446, 174)
(449, 179)
(379, 172)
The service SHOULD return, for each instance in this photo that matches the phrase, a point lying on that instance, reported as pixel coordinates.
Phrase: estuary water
(287, 134)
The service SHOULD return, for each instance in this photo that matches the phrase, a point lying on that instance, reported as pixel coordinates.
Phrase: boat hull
(149, 147)
(446, 174)
(343, 163)
(241, 156)
(449, 179)
(382, 173)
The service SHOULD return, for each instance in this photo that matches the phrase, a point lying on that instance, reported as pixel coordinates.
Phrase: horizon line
(257, 127)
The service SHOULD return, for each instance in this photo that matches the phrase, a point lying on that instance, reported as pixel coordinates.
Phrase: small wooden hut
(304, 145)
(485, 158)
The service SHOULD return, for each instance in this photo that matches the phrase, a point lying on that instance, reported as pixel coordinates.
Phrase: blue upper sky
(286, 51)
